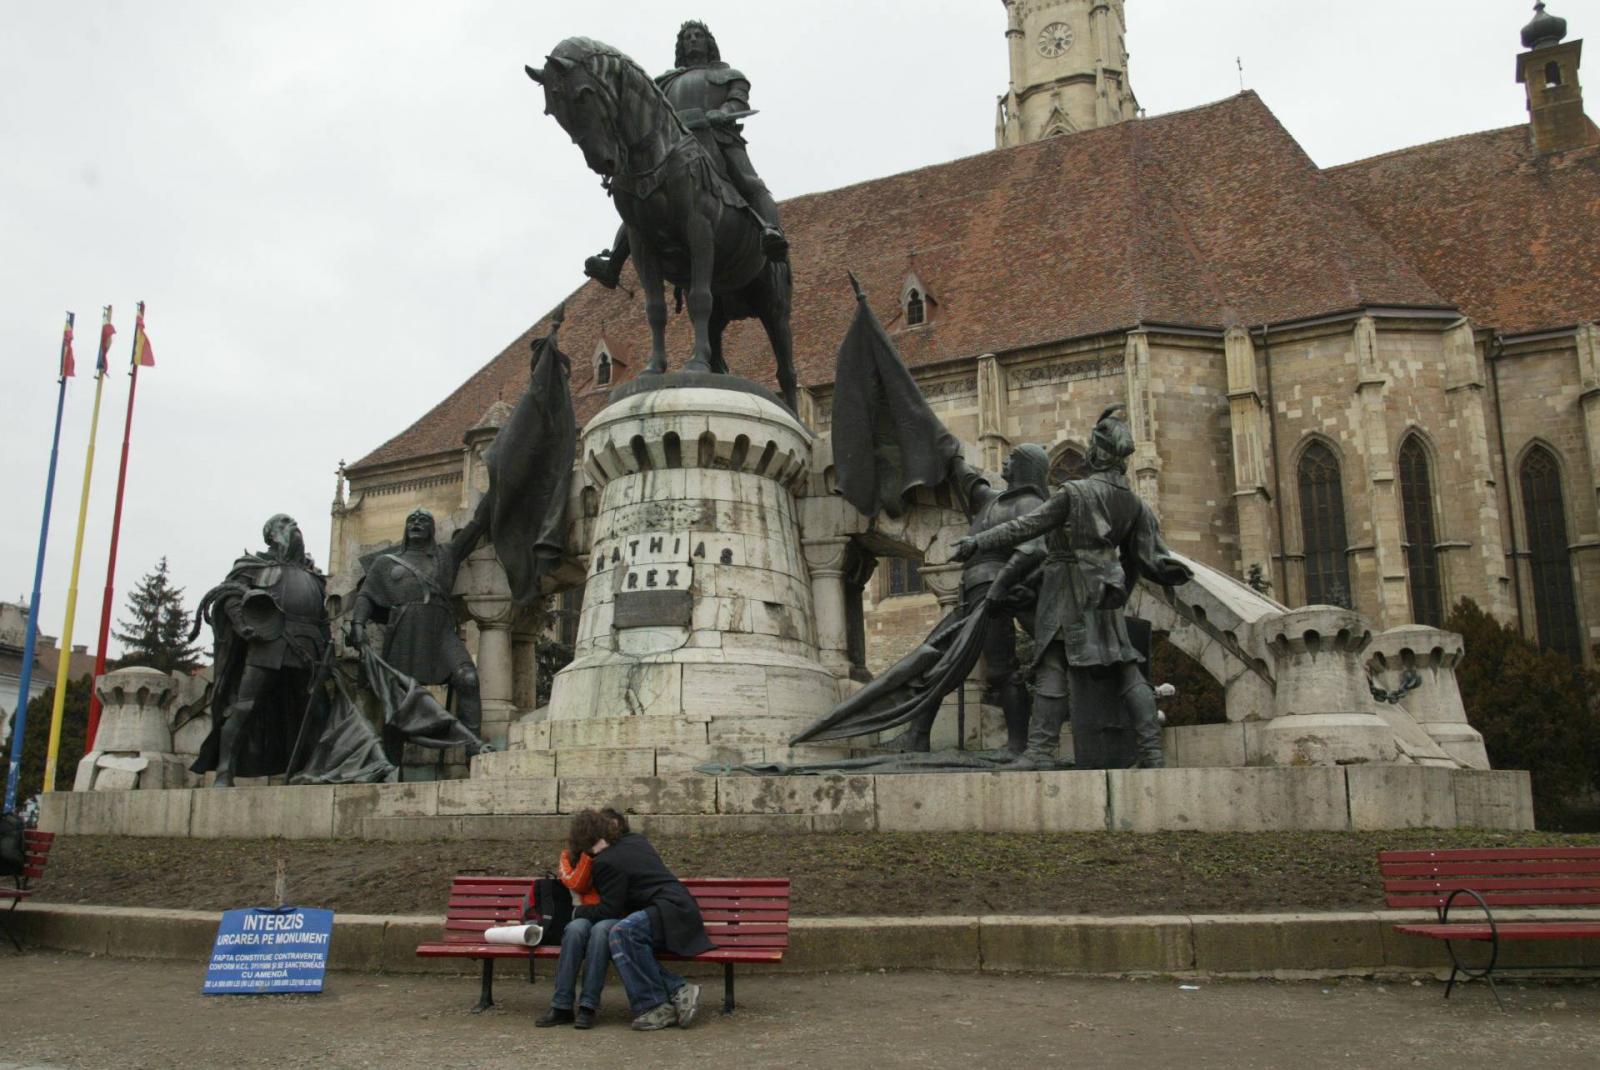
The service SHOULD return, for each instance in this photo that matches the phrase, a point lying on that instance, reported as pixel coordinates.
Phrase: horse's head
(582, 103)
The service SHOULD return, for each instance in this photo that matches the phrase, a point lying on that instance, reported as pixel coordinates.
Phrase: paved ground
(70, 1011)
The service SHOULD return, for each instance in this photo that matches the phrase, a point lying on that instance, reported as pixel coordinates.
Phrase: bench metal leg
(6, 928)
(1450, 984)
(486, 999)
(533, 976)
(727, 988)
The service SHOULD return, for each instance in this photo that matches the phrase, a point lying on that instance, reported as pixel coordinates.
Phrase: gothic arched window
(1422, 557)
(1545, 513)
(916, 311)
(1322, 531)
(1069, 464)
(602, 369)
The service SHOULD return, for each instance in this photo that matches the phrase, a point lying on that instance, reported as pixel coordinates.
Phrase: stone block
(1401, 796)
(99, 813)
(847, 796)
(301, 812)
(640, 795)
(1206, 746)
(515, 763)
(1493, 799)
(682, 761)
(724, 691)
(157, 813)
(992, 802)
(1289, 943)
(624, 732)
(56, 811)
(59, 927)
(1097, 945)
(402, 934)
(357, 942)
(520, 827)
(187, 935)
(606, 762)
(497, 796)
(818, 944)
(1227, 800)
(714, 825)
(353, 804)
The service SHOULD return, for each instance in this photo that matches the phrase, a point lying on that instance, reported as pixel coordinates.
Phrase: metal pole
(64, 666)
(111, 565)
(20, 721)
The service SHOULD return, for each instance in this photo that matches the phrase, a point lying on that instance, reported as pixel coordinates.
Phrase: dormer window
(916, 303)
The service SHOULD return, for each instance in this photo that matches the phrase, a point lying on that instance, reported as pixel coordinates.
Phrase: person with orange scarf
(584, 943)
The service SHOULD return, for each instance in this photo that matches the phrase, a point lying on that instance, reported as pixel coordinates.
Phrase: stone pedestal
(1322, 710)
(1435, 704)
(699, 607)
(134, 745)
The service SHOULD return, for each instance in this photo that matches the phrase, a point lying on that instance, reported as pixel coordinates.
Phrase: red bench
(1493, 877)
(747, 919)
(36, 848)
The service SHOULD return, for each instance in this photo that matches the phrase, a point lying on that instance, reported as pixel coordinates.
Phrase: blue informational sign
(267, 949)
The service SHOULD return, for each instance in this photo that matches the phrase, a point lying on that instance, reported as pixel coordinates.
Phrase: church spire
(1069, 69)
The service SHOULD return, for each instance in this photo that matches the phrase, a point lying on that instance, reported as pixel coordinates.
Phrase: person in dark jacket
(655, 912)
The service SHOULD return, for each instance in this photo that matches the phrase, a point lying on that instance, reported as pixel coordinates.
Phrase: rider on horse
(710, 97)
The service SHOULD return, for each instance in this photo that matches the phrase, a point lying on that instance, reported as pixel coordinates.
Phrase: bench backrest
(35, 852)
(476, 903)
(1504, 876)
(745, 912)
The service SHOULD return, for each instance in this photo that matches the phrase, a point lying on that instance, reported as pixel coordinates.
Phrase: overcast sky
(337, 211)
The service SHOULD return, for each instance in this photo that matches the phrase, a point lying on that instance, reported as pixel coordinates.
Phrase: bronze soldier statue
(408, 589)
(1026, 472)
(271, 637)
(710, 97)
(1099, 538)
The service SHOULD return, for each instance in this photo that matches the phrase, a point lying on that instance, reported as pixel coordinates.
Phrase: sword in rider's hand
(699, 119)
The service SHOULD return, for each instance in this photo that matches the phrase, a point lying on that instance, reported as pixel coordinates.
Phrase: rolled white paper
(514, 934)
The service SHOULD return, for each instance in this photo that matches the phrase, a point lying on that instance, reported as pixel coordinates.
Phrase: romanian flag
(143, 355)
(106, 331)
(68, 365)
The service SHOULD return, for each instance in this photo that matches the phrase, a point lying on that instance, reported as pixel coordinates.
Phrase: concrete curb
(1231, 945)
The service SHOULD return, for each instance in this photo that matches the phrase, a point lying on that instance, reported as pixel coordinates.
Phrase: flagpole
(116, 530)
(63, 668)
(20, 721)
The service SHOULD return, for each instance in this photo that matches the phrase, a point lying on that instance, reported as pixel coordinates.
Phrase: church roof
(1510, 236)
(1209, 217)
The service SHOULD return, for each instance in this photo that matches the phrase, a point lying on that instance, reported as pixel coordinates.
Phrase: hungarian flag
(143, 355)
(69, 367)
(106, 331)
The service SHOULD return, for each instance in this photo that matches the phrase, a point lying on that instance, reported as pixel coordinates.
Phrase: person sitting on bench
(654, 911)
(583, 942)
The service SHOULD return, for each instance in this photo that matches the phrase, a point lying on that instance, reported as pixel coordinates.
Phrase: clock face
(1055, 39)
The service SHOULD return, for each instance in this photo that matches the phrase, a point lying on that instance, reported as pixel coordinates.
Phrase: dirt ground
(901, 874)
(69, 1011)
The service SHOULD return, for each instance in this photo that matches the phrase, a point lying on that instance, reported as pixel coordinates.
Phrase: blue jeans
(583, 944)
(647, 983)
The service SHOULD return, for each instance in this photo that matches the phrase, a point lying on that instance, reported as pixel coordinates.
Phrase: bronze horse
(685, 221)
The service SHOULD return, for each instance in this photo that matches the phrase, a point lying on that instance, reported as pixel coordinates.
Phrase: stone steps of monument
(1373, 796)
(663, 760)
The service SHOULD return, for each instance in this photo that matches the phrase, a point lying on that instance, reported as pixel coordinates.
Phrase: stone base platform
(1332, 798)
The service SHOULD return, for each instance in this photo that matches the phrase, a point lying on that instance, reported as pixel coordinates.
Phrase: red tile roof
(1509, 236)
(1208, 217)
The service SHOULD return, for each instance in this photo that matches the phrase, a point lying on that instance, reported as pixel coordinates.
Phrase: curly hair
(588, 827)
(713, 53)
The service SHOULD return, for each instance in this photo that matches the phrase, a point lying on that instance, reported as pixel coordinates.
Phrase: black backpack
(550, 905)
(13, 848)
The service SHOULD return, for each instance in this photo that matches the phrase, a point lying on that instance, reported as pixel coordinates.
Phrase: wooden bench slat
(1491, 869)
(1490, 854)
(1502, 899)
(1485, 884)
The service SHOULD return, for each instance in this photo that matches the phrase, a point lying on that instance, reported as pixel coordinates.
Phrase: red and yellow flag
(143, 355)
(69, 367)
(106, 331)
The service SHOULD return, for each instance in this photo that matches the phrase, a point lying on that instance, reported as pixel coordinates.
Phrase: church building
(1375, 385)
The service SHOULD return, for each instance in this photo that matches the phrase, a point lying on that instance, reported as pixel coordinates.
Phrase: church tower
(1069, 69)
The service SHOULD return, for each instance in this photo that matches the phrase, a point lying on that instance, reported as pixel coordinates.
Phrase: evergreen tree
(36, 738)
(158, 633)
(1537, 711)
